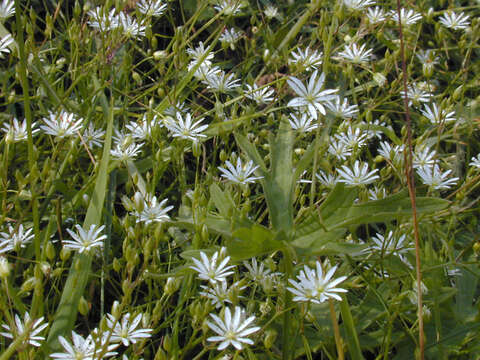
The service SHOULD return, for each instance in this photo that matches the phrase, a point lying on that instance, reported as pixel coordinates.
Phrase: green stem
(287, 326)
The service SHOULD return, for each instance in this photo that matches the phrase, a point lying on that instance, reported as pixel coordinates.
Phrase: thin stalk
(411, 190)
(28, 116)
(288, 303)
(336, 330)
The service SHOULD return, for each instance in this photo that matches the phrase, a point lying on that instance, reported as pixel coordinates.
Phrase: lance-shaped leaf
(76, 283)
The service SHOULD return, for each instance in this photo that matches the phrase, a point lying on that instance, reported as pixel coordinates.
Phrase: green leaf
(76, 283)
(223, 201)
(278, 185)
(350, 331)
(252, 241)
(252, 152)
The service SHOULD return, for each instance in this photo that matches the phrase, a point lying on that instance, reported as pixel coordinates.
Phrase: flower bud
(139, 201)
(116, 310)
(117, 266)
(196, 148)
(65, 254)
(379, 78)
(269, 339)
(167, 343)
(4, 267)
(29, 284)
(83, 306)
(172, 285)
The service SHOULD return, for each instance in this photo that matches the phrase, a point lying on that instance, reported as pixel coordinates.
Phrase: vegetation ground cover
(239, 179)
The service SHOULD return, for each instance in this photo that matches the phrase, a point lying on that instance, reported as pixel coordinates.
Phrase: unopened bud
(4, 267)
(269, 339)
(83, 306)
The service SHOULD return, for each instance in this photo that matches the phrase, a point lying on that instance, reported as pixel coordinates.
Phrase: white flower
(455, 21)
(370, 131)
(416, 95)
(232, 330)
(143, 129)
(303, 123)
(241, 174)
(209, 270)
(438, 116)
(433, 177)
(314, 286)
(85, 240)
(359, 175)
(308, 59)
(394, 154)
(358, 4)
(424, 157)
(153, 211)
(151, 7)
(229, 7)
(103, 21)
(185, 128)
(271, 11)
(377, 193)
(5, 42)
(221, 293)
(197, 53)
(61, 125)
(353, 137)
(93, 137)
(28, 328)
(124, 152)
(376, 15)
(125, 331)
(204, 71)
(390, 244)
(230, 37)
(340, 149)
(356, 54)
(261, 95)
(7, 9)
(475, 161)
(17, 131)
(327, 180)
(130, 26)
(311, 96)
(257, 273)
(15, 239)
(220, 82)
(81, 349)
(408, 17)
(341, 108)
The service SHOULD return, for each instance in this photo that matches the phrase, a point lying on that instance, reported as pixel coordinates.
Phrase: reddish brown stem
(408, 156)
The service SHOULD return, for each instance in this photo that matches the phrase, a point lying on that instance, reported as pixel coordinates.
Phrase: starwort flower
(17, 131)
(357, 5)
(359, 175)
(408, 17)
(376, 15)
(229, 7)
(438, 116)
(308, 59)
(390, 244)
(455, 21)
(221, 293)
(311, 95)
(209, 270)
(81, 348)
(125, 330)
(7, 9)
(151, 7)
(241, 174)
(303, 123)
(93, 137)
(261, 95)
(475, 162)
(85, 240)
(125, 152)
(15, 239)
(356, 54)
(341, 108)
(154, 211)
(314, 286)
(221, 82)
(5, 42)
(232, 330)
(28, 328)
(185, 128)
(435, 178)
(61, 125)
(340, 149)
